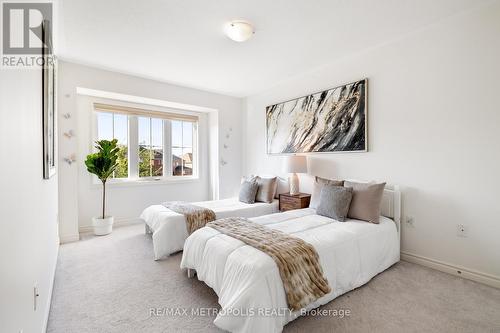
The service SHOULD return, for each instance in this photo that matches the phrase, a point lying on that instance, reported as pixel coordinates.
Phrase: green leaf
(104, 162)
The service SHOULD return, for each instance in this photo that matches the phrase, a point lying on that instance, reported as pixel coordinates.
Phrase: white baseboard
(118, 223)
(490, 280)
(51, 288)
(69, 238)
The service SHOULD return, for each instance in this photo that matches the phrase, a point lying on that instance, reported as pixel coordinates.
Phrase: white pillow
(282, 186)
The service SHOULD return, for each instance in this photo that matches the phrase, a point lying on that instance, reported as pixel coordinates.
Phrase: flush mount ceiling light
(239, 31)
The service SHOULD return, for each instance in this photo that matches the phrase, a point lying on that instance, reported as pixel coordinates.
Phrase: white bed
(169, 228)
(247, 280)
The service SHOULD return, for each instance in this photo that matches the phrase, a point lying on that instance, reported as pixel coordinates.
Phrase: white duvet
(169, 228)
(247, 280)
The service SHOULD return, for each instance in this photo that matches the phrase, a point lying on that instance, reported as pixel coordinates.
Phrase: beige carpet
(110, 283)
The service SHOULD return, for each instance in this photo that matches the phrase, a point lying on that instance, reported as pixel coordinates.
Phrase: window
(153, 145)
(150, 147)
(182, 148)
(115, 126)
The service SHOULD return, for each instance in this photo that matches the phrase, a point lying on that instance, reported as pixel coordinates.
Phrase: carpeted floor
(109, 284)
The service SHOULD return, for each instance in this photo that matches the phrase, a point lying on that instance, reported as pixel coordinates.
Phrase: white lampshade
(239, 31)
(295, 164)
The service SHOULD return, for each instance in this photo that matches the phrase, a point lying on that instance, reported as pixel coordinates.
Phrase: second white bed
(248, 282)
(169, 230)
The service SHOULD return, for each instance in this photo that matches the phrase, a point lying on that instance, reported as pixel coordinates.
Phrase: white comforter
(169, 228)
(247, 280)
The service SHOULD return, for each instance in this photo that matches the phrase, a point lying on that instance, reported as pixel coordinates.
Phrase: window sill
(147, 182)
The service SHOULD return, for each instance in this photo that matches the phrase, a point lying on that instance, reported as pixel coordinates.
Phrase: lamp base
(294, 184)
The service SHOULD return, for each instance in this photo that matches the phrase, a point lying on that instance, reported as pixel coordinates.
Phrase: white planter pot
(102, 226)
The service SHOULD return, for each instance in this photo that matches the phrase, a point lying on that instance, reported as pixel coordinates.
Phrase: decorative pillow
(366, 200)
(282, 186)
(267, 189)
(248, 191)
(318, 185)
(334, 202)
(248, 178)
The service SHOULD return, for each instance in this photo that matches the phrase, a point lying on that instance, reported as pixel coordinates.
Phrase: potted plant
(102, 164)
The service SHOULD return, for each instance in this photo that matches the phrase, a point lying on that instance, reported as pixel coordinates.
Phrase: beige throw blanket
(297, 261)
(196, 217)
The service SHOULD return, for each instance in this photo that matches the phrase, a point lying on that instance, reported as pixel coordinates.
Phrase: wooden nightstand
(297, 201)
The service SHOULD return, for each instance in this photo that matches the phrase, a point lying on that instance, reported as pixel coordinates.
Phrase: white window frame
(133, 150)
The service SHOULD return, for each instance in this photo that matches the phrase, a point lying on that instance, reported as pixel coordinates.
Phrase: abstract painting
(333, 120)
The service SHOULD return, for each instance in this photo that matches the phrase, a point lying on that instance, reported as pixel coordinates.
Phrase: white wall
(433, 129)
(80, 200)
(29, 238)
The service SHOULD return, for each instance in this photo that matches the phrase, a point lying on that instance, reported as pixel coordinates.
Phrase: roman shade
(143, 112)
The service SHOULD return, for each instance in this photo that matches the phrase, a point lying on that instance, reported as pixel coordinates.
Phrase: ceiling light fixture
(239, 31)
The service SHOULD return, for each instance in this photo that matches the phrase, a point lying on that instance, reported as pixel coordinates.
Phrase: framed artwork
(49, 102)
(333, 120)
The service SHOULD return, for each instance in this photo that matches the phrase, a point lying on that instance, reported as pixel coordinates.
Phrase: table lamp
(295, 164)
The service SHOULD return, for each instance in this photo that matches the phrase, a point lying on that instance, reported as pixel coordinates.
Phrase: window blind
(143, 112)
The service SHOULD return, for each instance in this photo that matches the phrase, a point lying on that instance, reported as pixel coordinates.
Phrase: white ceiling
(182, 41)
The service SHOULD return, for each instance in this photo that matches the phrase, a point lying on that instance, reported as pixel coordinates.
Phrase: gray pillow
(248, 191)
(334, 202)
(318, 185)
(366, 200)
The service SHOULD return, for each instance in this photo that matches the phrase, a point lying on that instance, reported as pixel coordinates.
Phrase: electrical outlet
(462, 230)
(410, 221)
(35, 297)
